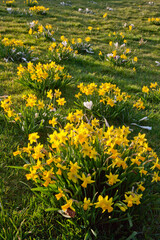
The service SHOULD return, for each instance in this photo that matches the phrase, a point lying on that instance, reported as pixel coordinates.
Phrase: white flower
(9, 10)
(36, 115)
(158, 63)
(117, 57)
(24, 59)
(88, 105)
(64, 43)
(123, 45)
(110, 9)
(116, 44)
(110, 55)
(32, 24)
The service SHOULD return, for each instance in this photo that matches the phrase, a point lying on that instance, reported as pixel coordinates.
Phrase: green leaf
(94, 233)
(51, 209)
(131, 237)
(87, 236)
(39, 189)
(71, 222)
(130, 220)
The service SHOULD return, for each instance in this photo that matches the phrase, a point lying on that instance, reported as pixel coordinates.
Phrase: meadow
(79, 119)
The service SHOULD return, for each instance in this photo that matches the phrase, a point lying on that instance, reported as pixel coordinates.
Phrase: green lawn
(22, 213)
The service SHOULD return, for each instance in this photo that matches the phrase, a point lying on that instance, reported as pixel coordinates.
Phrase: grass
(22, 216)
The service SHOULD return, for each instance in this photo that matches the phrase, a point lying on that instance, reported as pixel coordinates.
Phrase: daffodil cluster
(33, 26)
(90, 28)
(82, 46)
(14, 50)
(139, 104)
(43, 77)
(103, 101)
(154, 20)
(34, 114)
(121, 54)
(31, 3)
(152, 92)
(12, 42)
(88, 171)
(10, 3)
(117, 37)
(61, 51)
(39, 10)
(39, 30)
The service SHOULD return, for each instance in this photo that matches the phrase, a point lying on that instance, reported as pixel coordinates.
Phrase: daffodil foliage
(43, 77)
(14, 50)
(36, 114)
(89, 172)
(103, 101)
